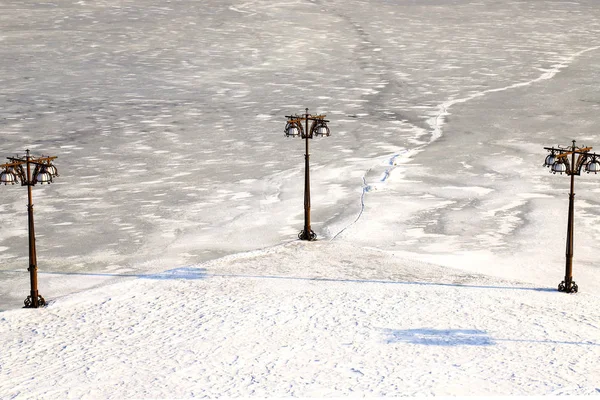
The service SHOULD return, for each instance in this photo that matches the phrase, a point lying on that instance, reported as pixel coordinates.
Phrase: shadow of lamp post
(558, 161)
(294, 128)
(18, 169)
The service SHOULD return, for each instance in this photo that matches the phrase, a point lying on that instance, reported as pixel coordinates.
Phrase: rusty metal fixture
(44, 172)
(293, 128)
(558, 162)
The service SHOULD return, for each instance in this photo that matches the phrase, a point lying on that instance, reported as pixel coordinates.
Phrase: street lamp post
(43, 172)
(294, 128)
(558, 162)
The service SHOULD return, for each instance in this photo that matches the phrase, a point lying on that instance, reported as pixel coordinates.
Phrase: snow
(304, 319)
(167, 245)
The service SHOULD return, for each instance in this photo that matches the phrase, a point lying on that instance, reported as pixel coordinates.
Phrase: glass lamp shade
(292, 129)
(593, 166)
(51, 169)
(559, 167)
(322, 130)
(8, 177)
(550, 160)
(43, 176)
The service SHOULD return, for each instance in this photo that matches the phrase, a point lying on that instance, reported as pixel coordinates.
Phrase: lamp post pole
(318, 128)
(307, 228)
(558, 161)
(570, 227)
(36, 299)
(19, 169)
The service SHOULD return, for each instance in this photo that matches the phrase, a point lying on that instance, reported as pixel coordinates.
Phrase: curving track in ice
(437, 122)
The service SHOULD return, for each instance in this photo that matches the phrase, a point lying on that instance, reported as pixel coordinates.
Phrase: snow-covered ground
(167, 118)
(304, 319)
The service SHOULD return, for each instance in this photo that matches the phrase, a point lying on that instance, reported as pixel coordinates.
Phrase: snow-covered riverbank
(304, 319)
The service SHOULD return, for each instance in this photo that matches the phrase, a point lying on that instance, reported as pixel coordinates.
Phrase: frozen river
(168, 116)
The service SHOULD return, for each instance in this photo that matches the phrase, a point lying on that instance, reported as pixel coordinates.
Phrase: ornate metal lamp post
(293, 128)
(558, 161)
(43, 172)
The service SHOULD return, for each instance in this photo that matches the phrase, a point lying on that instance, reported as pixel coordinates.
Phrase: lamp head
(593, 166)
(320, 128)
(559, 166)
(51, 169)
(550, 160)
(8, 177)
(293, 129)
(41, 175)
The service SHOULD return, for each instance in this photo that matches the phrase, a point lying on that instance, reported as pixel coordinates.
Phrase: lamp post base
(310, 236)
(29, 302)
(570, 288)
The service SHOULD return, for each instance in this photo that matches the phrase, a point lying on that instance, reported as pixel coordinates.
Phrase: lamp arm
(312, 127)
(300, 128)
(21, 172)
(581, 161)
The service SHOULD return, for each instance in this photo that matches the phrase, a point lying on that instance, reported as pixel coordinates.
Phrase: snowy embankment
(304, 319)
